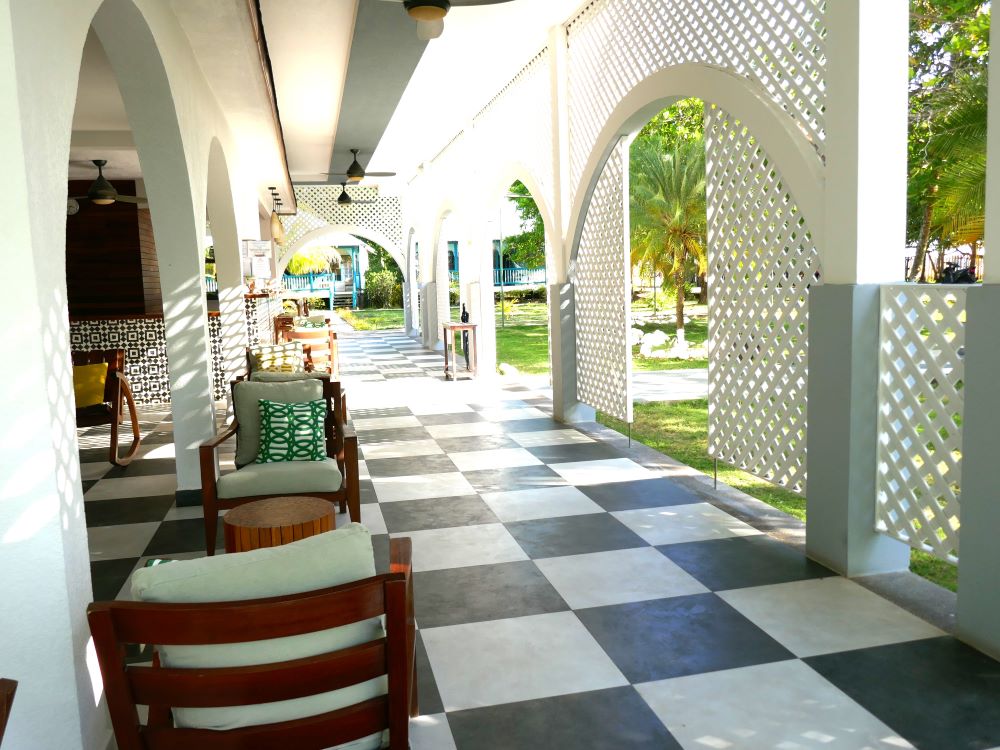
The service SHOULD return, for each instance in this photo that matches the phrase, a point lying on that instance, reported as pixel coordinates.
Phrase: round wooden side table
(276, 521)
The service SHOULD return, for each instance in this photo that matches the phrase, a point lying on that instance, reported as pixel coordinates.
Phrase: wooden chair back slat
(7, 690)
(313, 733)
(210, 624)
(264, 683)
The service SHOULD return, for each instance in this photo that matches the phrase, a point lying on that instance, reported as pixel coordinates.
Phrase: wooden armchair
(115, 624)
(110, 411)
(7, 690)
(310, 478)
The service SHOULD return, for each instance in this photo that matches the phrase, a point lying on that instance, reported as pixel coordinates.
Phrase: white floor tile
(470, 429)
(116, 542)
(395, 489)
(549, 437)
(601, 472)
(152, 450)
(518, 659)
(683, 523)
(545, 502)
(371, 517)
(463, 546)
(184, 513)
(402, 449)
(784, 705)
(824, 615)
(363, 470)
(431, 733)
(509, 415)
(616, 577)
(95, 470)
(386, 423)
(500, 458)
(124, 487)
(426, 408)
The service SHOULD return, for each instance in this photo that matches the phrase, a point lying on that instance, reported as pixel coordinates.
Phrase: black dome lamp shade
(102, 192)
(355, 172)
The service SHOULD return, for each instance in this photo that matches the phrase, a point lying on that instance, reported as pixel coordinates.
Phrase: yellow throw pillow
(88, 384)
(278, 358)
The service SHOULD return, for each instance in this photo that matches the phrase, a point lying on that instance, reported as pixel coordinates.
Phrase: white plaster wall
(45, 581)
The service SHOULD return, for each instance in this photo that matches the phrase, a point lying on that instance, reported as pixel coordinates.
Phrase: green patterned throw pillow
(291, 432)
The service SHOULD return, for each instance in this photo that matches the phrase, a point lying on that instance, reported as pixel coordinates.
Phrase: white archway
(334, 229)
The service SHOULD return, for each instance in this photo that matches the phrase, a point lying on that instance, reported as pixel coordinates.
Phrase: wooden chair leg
(211, 524)
(136, 437)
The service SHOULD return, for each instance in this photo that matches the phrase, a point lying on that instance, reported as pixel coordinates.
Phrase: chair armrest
(400, 555)
(221, 437)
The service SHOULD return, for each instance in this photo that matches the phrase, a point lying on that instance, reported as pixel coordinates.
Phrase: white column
(861, 246)
(45, 582)
(978, 583)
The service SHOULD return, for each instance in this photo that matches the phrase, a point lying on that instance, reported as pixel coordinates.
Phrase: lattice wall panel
(761, 264)
(602, 286)
(318, 207)
(920, 410)
(615, 44)
(518, 121)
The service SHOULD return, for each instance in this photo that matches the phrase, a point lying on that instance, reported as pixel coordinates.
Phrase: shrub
(453, 293)
(507, 306)
(379, 288)
(397, 296)
(529, 294)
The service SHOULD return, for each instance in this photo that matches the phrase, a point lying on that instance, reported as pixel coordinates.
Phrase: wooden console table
(276, 521)
(450, 355)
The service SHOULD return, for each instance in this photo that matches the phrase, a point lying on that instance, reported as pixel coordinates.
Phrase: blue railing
(211, 285)
(308, 282)
(518, 276)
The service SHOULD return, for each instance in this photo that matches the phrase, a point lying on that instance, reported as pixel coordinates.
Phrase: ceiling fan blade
(470, 3)
(79, 198)
(380, 174)
(130, 198)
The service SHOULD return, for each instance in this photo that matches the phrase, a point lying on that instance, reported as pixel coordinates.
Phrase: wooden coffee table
(276, 521)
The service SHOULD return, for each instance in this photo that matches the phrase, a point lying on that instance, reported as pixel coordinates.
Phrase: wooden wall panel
(150, 266)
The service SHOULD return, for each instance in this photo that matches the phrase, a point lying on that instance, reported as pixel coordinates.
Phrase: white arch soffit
(795, 159)
(352, 229)
(498, 185)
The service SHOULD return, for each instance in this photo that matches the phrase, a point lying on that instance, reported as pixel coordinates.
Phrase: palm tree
(668, 215)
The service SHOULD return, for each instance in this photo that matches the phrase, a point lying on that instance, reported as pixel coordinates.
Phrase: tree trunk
(919, 258)
(703, 294)
(974, 259)
(679, 306)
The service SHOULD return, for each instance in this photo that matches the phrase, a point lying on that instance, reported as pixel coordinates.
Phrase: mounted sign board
(257, 258)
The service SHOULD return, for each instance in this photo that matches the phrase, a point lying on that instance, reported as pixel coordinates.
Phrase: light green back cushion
(329, 559)
(269, 376)
(246, 398)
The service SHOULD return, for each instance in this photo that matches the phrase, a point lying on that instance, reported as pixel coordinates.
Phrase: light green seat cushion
(268, 376)
(320, 561)
(246, 404)
(284, 478)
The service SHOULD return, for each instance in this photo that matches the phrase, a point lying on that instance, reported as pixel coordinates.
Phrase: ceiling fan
(346, 200)
(100, 193)
(429, 14)
(356, 173)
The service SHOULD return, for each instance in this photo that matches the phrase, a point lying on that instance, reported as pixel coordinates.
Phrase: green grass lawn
(371, 320)
(524, 346)
(680, 430)
(523, 313)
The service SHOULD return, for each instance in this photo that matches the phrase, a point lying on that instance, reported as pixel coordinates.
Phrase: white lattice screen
(615, 44)
(761, 264)
(602, 286)
(318, 208)
(920, 411)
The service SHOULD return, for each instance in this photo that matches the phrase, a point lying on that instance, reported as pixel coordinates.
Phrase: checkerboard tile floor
(569, 597)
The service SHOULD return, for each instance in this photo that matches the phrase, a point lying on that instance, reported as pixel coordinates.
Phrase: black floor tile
(380, 547)
(516, 478)
(158, 438)
(368, 437)
(143, 467)
(560, 454)
(683, 635)
(465, 417)
(127, 510)
(367, 491)
(108, 577)
(640, 493)
(187, 535)
(573, 535)
(436, 513)
(483, 592)
(428, 697)
(742, 562)
(532, 425)
(88, 483)
(937, 692)
(410, 466)
(612, 719)
(95, 456)
(475, 443)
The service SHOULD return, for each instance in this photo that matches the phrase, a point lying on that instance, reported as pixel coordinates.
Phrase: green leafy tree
(682, 122)
(379, 288)
(381, 260)
(526, 249)
(309, 260)
(669, 214)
